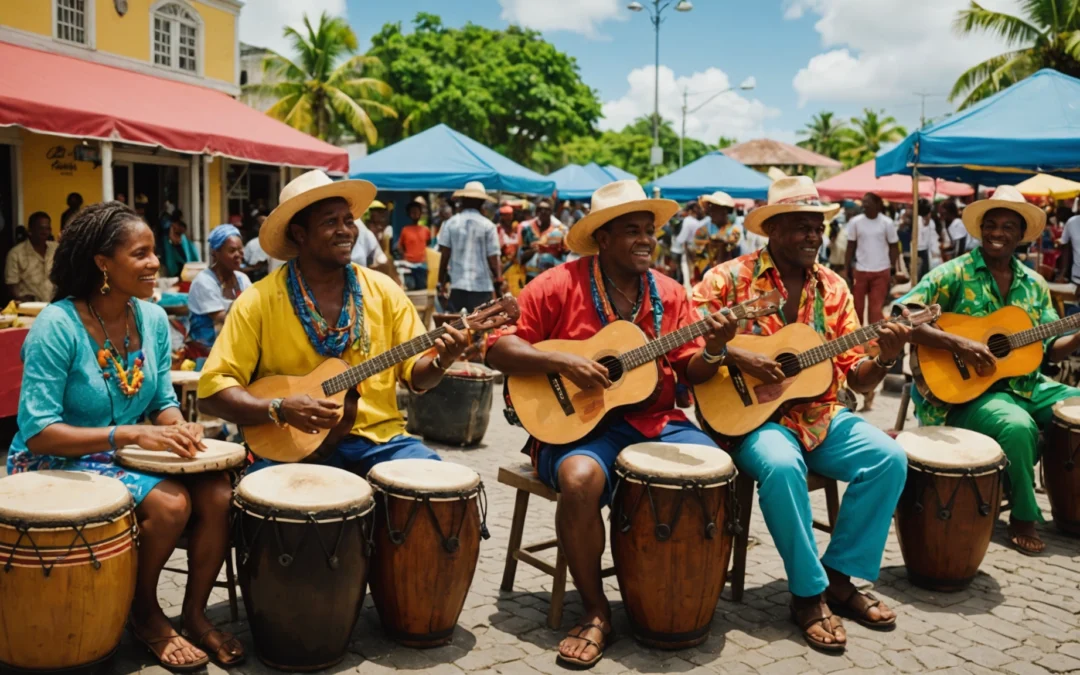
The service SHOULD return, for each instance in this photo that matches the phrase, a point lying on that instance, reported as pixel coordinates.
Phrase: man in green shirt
(979, 283)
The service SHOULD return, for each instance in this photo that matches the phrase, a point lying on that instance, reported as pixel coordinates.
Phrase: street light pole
(746, 85)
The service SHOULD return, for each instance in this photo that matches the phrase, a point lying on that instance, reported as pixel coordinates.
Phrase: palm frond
(352, 114)
(980, 74)
(1013, 30)
(363, 86)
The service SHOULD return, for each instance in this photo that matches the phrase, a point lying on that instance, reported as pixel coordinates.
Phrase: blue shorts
(358, 454)
(605, 448)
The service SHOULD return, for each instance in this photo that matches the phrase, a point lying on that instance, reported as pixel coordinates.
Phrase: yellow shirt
(263, 335)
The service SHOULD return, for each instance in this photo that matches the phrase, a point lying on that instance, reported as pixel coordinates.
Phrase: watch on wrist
(275, 412)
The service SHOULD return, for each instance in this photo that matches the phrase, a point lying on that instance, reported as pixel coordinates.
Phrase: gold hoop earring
(105, 288)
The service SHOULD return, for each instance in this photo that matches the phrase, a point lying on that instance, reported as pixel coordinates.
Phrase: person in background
(412, 246)
(177, 250)
(367, 252)
(958, 234)
(29, 263)
(378, 221)
(871, 258)
(469, 268)
(74, 203)
(1070, 247)
(256, 262)
(214, 289)
(718, 238)
(141, 202)
(692, 220)
(838, 248)
(542, 242)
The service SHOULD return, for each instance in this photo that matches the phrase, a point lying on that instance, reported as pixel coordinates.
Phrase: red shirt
(414, 240)
(558, 305)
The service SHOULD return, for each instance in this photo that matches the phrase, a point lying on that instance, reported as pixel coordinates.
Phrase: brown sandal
(810, 615)
(581, 664)
(1016, 540)
(175, 667)
(857, 606)
(223, 646)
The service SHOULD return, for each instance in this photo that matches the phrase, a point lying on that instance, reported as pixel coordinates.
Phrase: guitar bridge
(961, 365)
(740, 386)
(559, 389)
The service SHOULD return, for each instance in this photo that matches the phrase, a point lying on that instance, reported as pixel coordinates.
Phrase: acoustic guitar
(944, 377)
(336, 380)
(734, 403)
(554, 410)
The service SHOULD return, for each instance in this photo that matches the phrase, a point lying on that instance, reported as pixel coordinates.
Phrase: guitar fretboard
(388, 359)
(654, 349)
(1047, 330)
(836, 347)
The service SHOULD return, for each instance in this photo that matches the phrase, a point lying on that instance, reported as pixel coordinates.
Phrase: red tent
(855, 183)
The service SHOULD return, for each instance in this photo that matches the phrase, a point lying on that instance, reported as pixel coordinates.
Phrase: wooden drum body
(1061, 472)
(670, 539)
(429, 518)
(946, 514)
(67, 568)
(303, 537)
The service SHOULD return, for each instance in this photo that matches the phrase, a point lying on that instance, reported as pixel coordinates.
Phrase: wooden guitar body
(734, 404)
(949, 380)
(572, 413)
(289, 444)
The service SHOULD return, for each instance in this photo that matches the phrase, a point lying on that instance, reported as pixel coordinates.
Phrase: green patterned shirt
(966, 286)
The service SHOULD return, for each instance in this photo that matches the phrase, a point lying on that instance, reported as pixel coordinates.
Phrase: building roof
(767, 152)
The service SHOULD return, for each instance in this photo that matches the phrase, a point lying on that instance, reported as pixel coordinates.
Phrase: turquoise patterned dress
(62, 382)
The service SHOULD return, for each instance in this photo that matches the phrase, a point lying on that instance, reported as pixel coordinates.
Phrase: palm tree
(1048, 36)
(322, 91)
(867, 134)
(823, 135)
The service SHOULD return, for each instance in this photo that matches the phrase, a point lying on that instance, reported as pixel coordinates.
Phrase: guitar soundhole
(789, 363)
(999, 346)
(614, 367)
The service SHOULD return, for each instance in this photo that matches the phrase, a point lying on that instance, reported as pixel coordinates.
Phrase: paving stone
(933, 658)
(1059, 663)
(985, 656)
(904, 661)
(1025, 668)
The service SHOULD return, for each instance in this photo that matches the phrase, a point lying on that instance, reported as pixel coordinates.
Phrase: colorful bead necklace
(350, 330)
(606, 310)
(128, 381)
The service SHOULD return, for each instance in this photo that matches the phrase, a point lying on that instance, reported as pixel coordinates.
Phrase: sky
(803, 56)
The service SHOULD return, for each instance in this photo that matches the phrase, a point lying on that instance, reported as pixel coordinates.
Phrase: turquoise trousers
(855, 452)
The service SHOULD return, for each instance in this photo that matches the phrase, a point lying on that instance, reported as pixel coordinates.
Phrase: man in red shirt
(612, 281)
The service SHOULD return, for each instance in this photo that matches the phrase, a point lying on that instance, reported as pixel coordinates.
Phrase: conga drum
(429, 517)
(458, 409)
(68, 557)
(670, 538)
(950, 502)
(303, 536)
(218, 456)
(1060, 472)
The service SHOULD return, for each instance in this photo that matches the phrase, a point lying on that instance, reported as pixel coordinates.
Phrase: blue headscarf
(220, 234)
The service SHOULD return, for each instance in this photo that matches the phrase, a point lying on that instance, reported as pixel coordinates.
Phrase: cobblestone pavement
(1021, 615)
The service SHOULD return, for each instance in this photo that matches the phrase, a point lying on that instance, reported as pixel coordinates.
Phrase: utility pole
(923, 95)
(682, 136)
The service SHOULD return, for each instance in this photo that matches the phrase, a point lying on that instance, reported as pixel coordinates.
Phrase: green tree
(322, 90)
(824, 135)
(508, 89)
(725, 142)
(864, 139)
(1046, 36)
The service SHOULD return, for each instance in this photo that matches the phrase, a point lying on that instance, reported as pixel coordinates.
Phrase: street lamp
(747, 84)
(656, 16)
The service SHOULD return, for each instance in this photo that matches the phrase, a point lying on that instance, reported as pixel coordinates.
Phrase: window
(71, 20)
(176, 37)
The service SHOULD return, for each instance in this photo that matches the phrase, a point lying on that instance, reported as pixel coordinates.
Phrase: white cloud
(731, 114)
(262, 21)
(577, 16)
(881, 51)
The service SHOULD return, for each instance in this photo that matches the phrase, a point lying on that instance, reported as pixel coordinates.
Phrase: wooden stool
(523, 478)
(744, 493)
(229, 584)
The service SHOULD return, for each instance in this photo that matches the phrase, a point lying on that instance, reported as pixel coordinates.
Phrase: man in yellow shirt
(319, 306)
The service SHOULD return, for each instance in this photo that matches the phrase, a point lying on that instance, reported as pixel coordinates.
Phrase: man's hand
(310, 415)
(722, 327)
(756, 366)
(451, 345)
(977, 355)
(584, 373)
(891, 340)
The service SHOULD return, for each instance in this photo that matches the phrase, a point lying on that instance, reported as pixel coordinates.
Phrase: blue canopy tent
(601, 174)
(441, 159)
(715, 171)
(574, 181)
(619, 174)
(1032, 127)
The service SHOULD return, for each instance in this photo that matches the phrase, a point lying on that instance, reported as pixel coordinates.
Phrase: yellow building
(119, 98)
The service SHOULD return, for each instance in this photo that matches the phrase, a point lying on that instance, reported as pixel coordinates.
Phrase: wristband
(437, 363)
(884, 364)
(112, 439)
(712, 359)
(275, 412)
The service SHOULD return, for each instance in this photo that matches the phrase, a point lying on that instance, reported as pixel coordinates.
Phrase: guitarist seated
(979, 283)
(318, 306)
(573, 302)
(820, 435)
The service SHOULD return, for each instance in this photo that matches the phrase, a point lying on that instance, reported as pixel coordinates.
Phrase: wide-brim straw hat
(301, 192)
(719, 198)
(608, 203)
(1005, 197)
(794, 194)
(474, 189)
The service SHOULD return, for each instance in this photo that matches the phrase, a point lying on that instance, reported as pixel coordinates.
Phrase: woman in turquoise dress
(96, 363)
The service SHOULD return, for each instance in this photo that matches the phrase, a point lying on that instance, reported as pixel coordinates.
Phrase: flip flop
(581, 664)
(806, 617)
(174, 667)
(215, 654)
(858, 614)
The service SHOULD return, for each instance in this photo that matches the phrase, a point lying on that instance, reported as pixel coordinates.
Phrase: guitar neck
(388, 359)
(654, 349)
(836, 347)
(1047, 330)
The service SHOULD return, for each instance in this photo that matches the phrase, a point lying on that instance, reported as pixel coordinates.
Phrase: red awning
(855, 183)
(54, 94)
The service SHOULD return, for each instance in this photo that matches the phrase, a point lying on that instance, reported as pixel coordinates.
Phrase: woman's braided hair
(95, 230)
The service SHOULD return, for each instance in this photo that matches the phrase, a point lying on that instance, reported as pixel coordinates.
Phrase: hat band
(800, 200)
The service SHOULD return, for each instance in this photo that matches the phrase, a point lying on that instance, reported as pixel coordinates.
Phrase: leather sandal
(811, 615)
(175, 667)
(857, 606)
(229, 644)
(1017, 541)
(582, 664)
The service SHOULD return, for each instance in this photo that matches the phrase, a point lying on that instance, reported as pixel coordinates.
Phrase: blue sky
(804, 55)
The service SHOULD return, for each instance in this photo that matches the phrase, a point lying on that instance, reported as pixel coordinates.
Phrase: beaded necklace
(606, 311)
(128, 381)
(330, 340)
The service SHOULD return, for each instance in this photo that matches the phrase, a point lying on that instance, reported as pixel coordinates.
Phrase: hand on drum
(180, 439)
(451, 345)
(310, 415)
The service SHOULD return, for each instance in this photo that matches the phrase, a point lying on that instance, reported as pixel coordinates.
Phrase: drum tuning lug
(452, 545)
(334, 563)
(710, 530)
(663, 531)
(624, 524)
(984, 509)
(735, 529)
(484, 533)
(285, 559)
(396, 537)
(944, 514)
(918, 508)
(96, 564)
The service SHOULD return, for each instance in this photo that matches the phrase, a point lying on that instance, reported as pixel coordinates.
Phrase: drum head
(424, 477)
(218, 456)
(55, 498)
(950, 451)
(184, 376)
(1068, 411)
(675, 464)
(305, 489)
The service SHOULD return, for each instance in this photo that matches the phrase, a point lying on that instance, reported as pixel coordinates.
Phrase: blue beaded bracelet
(112, 439)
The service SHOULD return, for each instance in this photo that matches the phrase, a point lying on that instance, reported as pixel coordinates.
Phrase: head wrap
(220, 234)
(506, 208)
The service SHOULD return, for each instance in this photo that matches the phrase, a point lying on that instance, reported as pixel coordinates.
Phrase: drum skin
(418, 586)
(1061, 473)
(943, 547)
(76, 615)
(302, 613)
(670, 588)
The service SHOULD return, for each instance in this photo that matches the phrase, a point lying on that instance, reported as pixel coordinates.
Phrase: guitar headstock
(762, 305)
(928, 314)
(494, 314)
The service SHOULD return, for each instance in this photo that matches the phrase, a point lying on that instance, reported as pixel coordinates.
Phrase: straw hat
(303, 191)
(719, 198)
(1005, 197)
(794, 194)
(474, 189)
(608, 203)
